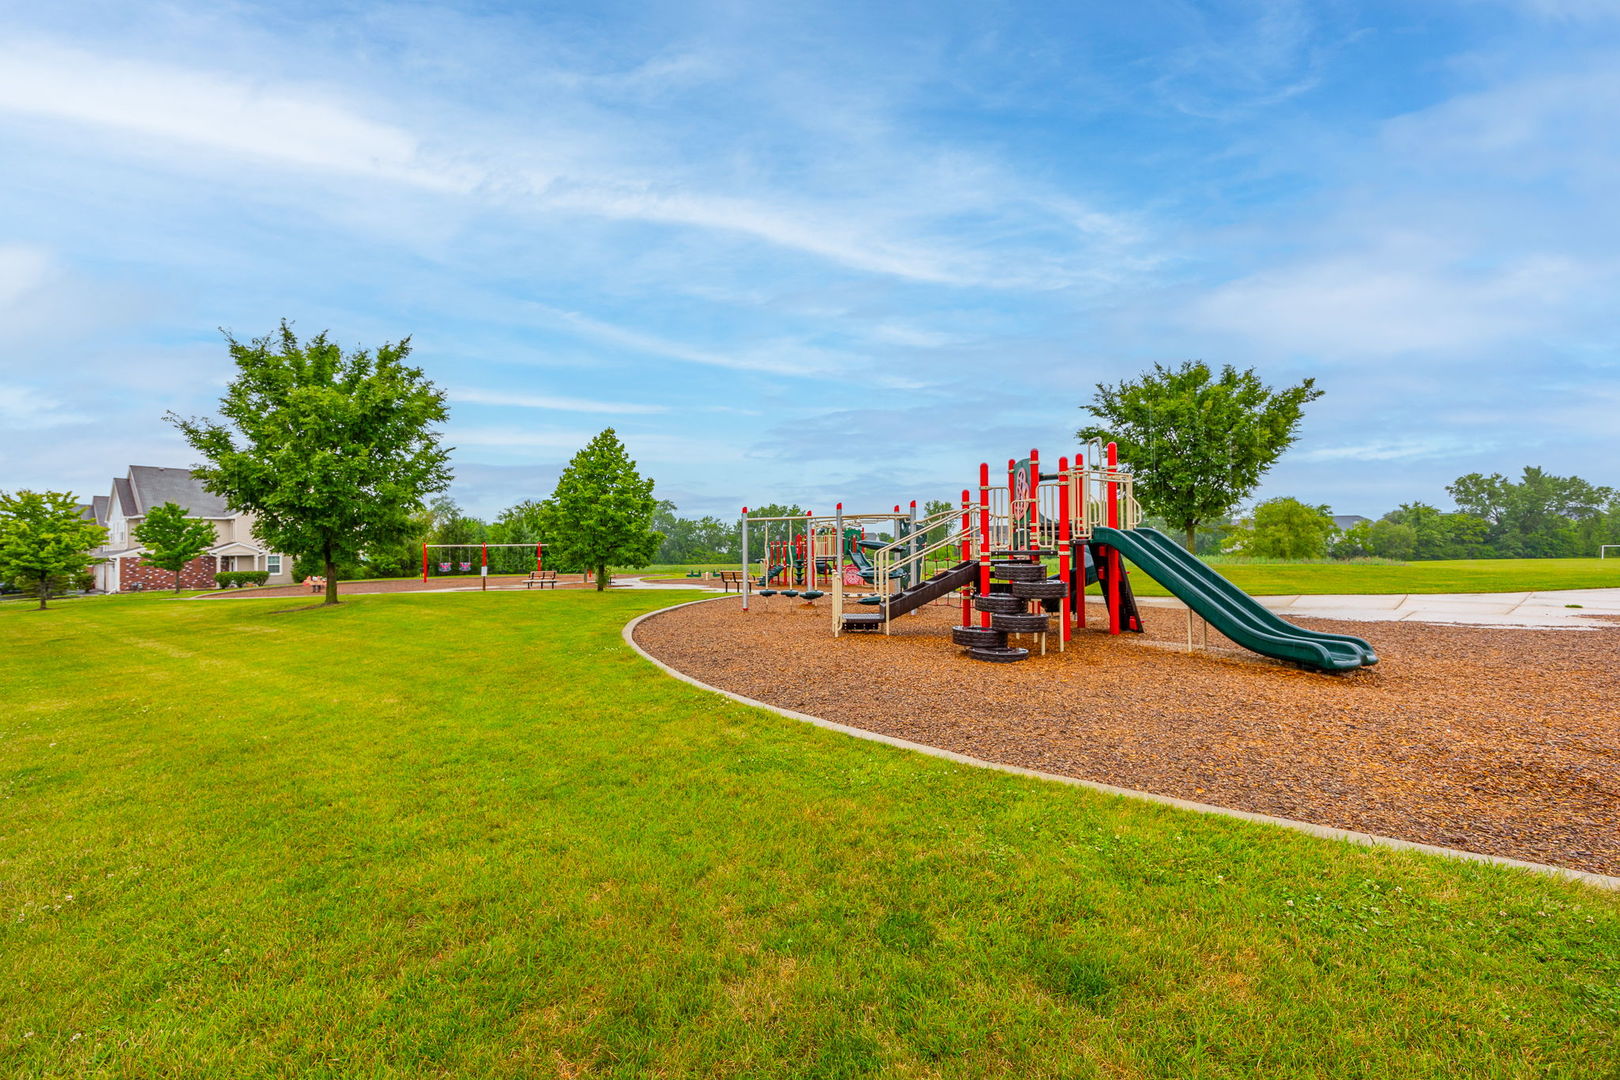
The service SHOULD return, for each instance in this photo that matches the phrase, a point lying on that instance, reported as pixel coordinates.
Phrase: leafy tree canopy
(1536, 516)
(1283, 529)
(334, 453)
(601, 513)
(705, 539)
(1197, 442)
(172, 538)
(43, 536)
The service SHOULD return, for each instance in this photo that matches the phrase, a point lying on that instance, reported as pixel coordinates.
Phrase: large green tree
(44, 536)
(601, 513)
(1283, 528)
(172, 538)
(1197, 442)
(332, 452)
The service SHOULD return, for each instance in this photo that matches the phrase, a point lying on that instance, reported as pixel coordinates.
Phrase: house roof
(151, 485)
(87, 511)
(1345, 521)
(126, 496)
(98, 507)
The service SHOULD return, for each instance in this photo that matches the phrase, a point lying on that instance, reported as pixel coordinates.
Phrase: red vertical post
(967, 546)
(1064, 569)
(538, 560)
(1080, 567)
(1113, 552)
(1034, 500)
(424, 562)
(483, 566)
(984, 537)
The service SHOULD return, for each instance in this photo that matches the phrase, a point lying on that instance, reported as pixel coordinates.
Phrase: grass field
(473, 835)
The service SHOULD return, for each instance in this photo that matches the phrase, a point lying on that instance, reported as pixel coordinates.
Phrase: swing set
(459, 565)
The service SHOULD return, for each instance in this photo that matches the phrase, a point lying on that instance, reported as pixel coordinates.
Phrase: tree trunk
(331, 578)
(601, 578)
(1191, 543)
(44, 591)
(177, 583)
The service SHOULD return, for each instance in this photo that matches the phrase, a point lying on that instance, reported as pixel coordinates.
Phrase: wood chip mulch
(1505, 742)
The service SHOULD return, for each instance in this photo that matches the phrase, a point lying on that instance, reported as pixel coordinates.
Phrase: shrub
(225, 579)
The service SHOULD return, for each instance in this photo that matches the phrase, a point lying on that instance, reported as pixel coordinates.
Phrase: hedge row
(238, 578)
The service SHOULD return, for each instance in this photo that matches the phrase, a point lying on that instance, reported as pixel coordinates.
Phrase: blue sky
(820, 252)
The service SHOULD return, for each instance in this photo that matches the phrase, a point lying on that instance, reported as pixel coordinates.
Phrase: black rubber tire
(764, 592)
(981, 636)
(1021, 624)
(1009, 605)
(998, 656)
(1018, 571)
(1052, 607)
(1040, 590)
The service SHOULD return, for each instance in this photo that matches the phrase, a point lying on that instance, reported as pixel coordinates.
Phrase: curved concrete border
(1601, 881)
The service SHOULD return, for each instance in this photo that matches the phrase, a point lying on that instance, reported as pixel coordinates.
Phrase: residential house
(146, 486)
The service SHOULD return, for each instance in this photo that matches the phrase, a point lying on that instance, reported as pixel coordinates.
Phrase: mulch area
(1505, 742)
(433, 584)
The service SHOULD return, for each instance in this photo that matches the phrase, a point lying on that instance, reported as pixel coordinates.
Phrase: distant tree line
(1538, 516)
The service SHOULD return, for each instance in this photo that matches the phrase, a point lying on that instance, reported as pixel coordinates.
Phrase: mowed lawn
(473, 835)
(1444, 576)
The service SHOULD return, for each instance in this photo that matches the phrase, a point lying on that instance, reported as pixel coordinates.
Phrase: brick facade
(196, 574)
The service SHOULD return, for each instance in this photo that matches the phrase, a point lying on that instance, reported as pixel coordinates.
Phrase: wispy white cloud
(1396, 302)
(23, 269)
(296, 126)
(474, 396)
(1402, 449)
(22, 408)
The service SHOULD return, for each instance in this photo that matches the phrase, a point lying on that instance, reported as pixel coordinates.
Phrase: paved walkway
(1570, 609)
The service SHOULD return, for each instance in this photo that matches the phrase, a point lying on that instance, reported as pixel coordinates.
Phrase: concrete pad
(1370, 603)
(1541, 611)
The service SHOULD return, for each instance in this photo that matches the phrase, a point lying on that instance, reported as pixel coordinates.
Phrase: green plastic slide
(1231, 610)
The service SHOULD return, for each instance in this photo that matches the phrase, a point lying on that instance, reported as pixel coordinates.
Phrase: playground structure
(1017, 556)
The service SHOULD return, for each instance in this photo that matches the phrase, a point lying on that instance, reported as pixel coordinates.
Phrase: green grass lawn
(473, 835)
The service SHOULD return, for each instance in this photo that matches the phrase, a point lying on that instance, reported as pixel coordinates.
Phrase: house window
(272, 563)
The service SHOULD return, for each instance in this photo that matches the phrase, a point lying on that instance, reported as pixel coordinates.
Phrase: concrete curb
(1600, 881)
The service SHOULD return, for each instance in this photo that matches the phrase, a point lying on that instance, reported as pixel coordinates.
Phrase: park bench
(730, 578)
(542, 578)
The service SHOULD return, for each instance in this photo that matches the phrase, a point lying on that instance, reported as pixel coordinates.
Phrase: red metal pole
(424, 562)
(984, 538)
(1063, 543)
(537, 558)
(1085, 493)
(967, 523)
(483, 567)
(1034, 499)
(1113, 552)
